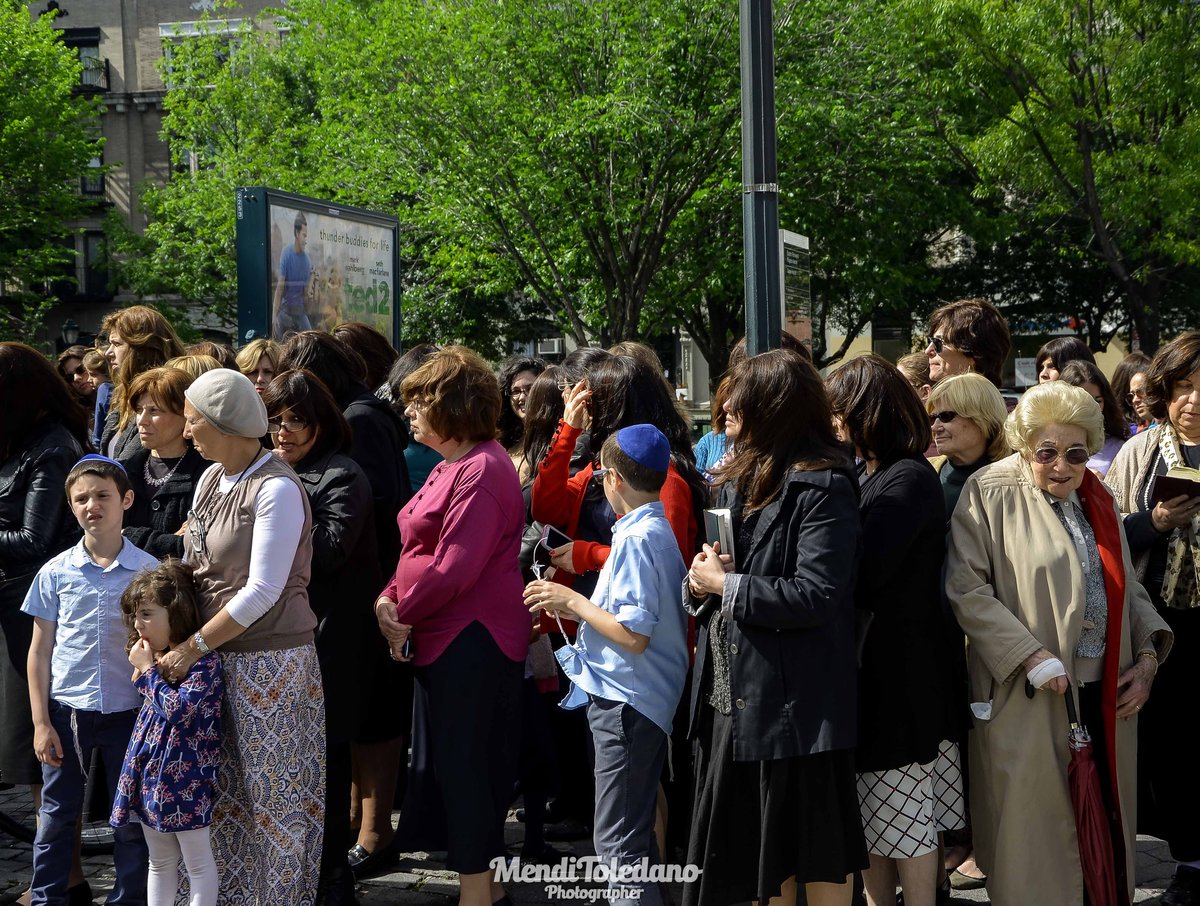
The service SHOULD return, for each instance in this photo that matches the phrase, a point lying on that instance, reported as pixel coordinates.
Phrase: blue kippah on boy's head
(645, 445)
(96, 457)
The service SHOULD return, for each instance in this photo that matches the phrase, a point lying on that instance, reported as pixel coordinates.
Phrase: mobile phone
(407, 648)
(554, 539)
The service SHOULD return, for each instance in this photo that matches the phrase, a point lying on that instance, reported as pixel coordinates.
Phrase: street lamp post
(760, 178)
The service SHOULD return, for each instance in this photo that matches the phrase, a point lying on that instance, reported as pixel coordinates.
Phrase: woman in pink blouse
(454, 607)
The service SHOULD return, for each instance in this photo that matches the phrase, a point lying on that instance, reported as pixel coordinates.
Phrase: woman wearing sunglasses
(1039, 576)
(966, 416)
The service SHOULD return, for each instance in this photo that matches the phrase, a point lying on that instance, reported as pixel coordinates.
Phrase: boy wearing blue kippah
(79, 684)
(630, 658)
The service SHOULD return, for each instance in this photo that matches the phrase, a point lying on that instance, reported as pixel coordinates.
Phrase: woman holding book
(773, 708)
(1164, 539)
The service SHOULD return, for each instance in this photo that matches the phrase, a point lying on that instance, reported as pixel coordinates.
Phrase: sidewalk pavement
(420, 879)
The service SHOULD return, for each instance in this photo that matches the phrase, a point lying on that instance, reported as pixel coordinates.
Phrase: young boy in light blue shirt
(79, 679)
(630, 659)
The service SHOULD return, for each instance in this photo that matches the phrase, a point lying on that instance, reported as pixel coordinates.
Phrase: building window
(95, 266)
(93, 182)
(86, 42)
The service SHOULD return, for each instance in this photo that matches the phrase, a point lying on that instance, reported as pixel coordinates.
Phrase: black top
(953, 479)
(901, 707)
(35, 521)
(378, 442)
(158, 512)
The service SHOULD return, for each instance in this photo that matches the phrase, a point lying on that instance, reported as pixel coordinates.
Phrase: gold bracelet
(1152, 656)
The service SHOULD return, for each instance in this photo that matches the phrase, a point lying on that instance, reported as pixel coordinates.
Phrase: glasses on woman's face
(293, 425)
(1075, 456)
(938, 344)
(945, 416)
(1134, 395)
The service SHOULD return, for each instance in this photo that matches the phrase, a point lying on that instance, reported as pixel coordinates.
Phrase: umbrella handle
(1070, 698)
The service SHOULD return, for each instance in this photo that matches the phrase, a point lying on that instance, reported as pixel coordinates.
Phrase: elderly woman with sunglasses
(1040, 578)
(966, 416)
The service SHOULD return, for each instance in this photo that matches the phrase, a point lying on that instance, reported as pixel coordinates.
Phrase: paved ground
(420, 879)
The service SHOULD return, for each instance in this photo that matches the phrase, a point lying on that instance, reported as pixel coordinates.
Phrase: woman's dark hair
(787, 424)
(879, 410)
(976, 329)
(377, 353)
(304, 394)
(1062, 351)
(33, 393)
(409, 362)
(579, 363)
(628, 391)
(1134, 363)
(1077, 374)
(543, 409)
(172, 587)
(511, 428)
(338, 366)
(219, 351)
(459, 392)
(720, 398)
(71, 352)
(1172, 363)
(737, 353)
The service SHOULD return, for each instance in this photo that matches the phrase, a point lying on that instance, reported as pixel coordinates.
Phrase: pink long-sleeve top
(459, 560)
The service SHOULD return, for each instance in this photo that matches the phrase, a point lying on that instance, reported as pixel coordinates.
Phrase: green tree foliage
(1080, 117)
(47, 138)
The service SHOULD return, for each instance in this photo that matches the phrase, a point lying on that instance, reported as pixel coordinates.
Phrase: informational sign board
(1027, 374)
(796, 283)
(306, 264)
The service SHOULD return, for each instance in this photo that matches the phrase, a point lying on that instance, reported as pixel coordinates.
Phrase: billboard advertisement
(305, 264)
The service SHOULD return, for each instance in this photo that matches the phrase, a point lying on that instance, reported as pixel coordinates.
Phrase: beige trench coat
(1016, 585)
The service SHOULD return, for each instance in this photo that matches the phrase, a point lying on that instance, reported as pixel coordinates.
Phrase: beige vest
(220, 553)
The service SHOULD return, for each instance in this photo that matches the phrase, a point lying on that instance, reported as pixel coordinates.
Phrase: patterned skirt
(270, 809)
(903, 809)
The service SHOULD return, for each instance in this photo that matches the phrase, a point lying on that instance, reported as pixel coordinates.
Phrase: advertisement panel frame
(255, 261)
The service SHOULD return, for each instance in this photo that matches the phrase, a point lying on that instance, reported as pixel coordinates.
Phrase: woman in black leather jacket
(44, 433)
(312, 436)
(773, 688)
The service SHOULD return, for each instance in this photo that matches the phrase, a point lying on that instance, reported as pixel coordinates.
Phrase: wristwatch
(201, 645)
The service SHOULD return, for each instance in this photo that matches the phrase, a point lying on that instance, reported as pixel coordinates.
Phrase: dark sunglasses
(1075, 456)
(945, 417)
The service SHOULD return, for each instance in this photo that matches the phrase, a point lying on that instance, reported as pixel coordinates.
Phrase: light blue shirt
(89, 670)
(642, 585)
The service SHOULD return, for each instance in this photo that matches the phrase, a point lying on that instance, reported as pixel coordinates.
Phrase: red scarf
(1098, 508)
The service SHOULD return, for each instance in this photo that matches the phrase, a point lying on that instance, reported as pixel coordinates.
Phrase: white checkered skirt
(903, 809)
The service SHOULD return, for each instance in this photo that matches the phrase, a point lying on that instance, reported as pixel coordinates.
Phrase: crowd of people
(285, 592)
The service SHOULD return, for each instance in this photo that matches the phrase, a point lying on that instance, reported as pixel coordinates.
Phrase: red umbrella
(1091, 823)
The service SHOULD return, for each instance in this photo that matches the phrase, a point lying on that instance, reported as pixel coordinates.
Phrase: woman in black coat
(378, 439)
(44, 432)
(164, 472)
(773, 693)
(906, 766)
(312, 437)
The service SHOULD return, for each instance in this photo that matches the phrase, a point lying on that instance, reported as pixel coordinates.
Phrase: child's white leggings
(165, 852)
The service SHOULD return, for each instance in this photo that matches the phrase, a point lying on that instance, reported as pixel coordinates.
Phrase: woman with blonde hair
(259, 361)
(139, 338)
(966, 415)
(194, 365)
(1040, 578)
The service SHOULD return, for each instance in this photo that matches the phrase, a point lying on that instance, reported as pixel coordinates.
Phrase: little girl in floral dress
(168, 780)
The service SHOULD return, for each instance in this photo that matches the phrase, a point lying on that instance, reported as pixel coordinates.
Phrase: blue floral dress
(168, 780)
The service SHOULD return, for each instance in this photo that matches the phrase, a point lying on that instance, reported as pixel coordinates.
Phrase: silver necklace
(159, 482)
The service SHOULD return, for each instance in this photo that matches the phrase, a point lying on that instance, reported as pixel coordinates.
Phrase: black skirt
(789, 817)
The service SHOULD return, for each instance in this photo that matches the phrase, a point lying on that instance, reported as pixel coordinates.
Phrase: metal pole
(760, 178)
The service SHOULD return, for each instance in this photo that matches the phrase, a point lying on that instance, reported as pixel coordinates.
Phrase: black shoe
(79, 895)
(364, 864)
(568, 829)
(1184, 889)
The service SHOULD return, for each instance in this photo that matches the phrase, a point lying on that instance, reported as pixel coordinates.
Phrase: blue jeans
(630, 750)
(62, 801)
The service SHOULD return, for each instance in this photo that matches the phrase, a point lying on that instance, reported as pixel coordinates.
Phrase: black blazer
(345, 581)
(791, 629)
(901, 699)
(35, 521)
(378, 439)
(157, 513)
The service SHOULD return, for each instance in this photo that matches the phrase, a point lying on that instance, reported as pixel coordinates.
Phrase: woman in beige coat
(1040, 578)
